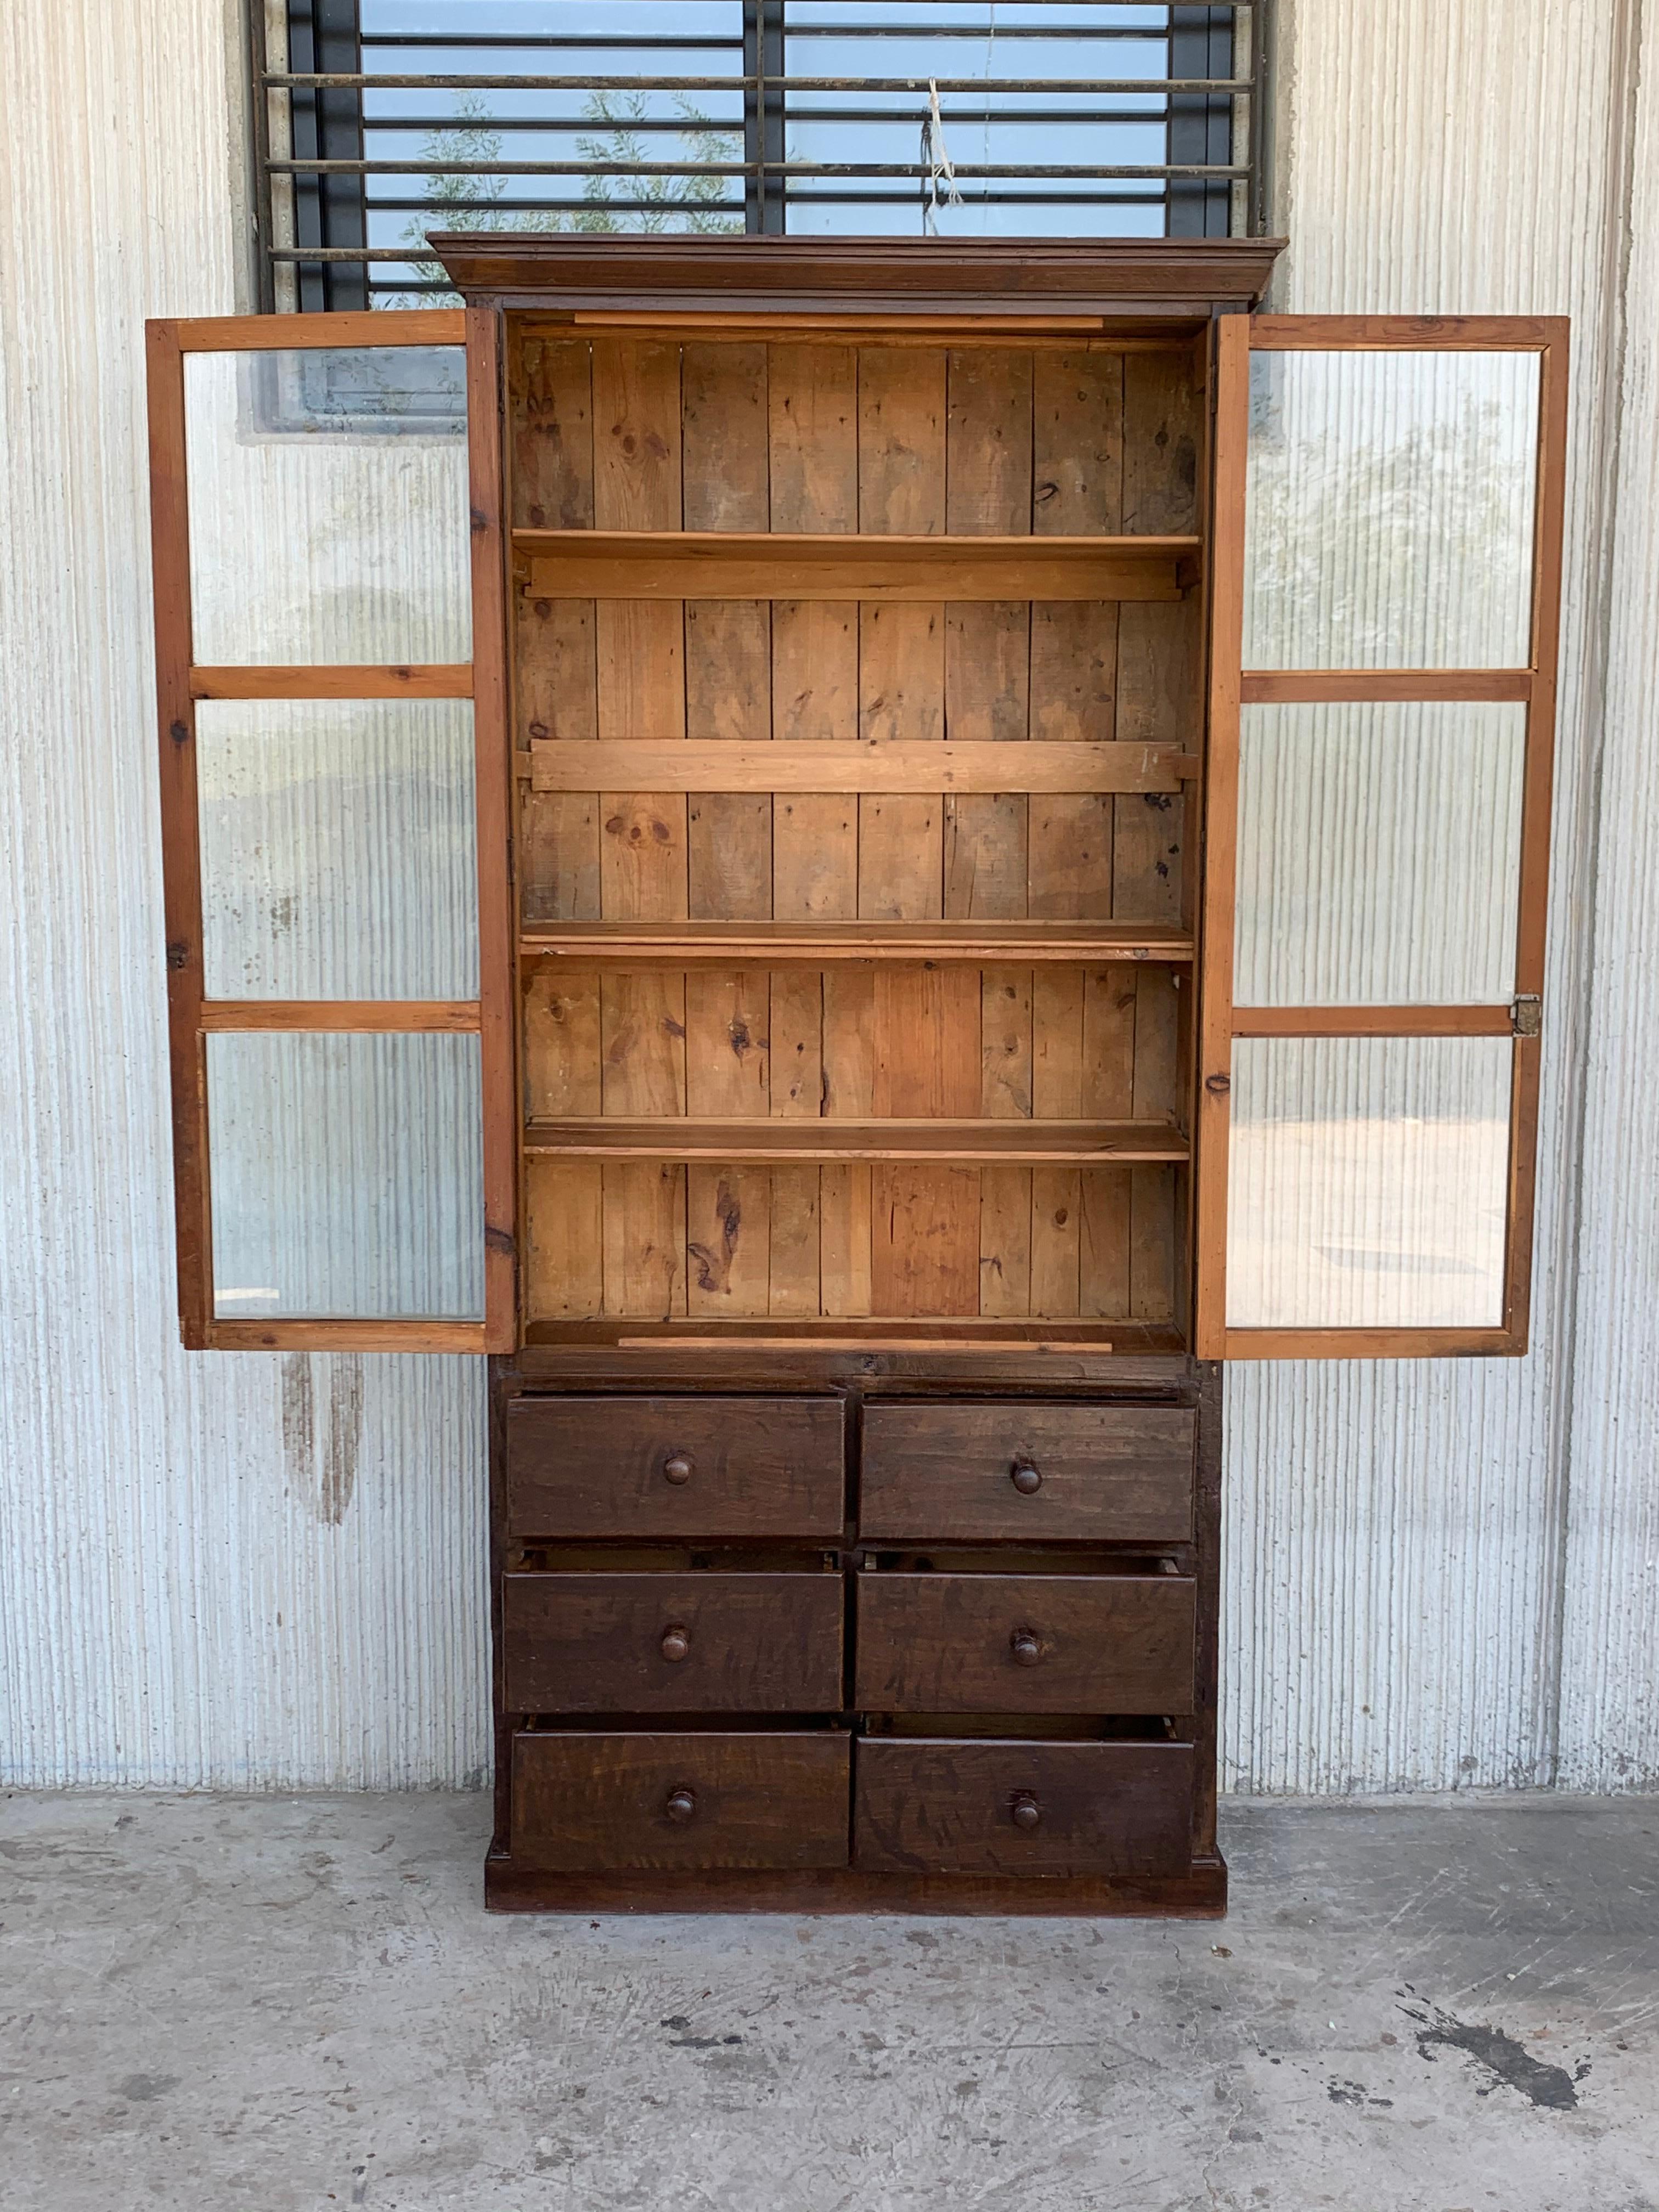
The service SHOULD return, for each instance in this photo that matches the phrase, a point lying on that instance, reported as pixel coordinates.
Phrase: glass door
(1383, 628)
(334, 803)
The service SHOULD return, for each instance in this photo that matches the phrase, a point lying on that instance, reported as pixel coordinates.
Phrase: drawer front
(1025, 1643)
(704, 1467)
(672, 1643)
(924, 1805)
(678, 1802)
(997, 1471)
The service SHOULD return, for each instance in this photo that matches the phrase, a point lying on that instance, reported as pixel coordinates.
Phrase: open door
(334, 810)
(1384, 613)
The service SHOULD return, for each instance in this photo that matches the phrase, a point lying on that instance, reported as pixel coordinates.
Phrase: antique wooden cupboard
(860, 861)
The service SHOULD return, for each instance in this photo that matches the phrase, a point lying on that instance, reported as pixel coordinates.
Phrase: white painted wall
(246, 1571)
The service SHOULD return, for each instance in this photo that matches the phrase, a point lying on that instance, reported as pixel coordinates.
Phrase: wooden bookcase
(967, 751)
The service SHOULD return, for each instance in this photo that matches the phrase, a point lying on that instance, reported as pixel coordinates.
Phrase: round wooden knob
(681, 1805)
(676, 1642)
(1027, 1812)
(1025, 1648)
(677, 1467)
(1025, 1478)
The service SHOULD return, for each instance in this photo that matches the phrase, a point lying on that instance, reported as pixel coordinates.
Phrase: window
(377, 121)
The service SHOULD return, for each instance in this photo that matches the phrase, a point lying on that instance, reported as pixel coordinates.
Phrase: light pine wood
(812, 450)
(988, 446)
(723, 943)
(727, 1050)
(902, 493)
(883, 760)
(870, 1021)
(727, 641)
(641, 647)
(642, 1041)
(844, 1203)
(448, 682)
(550, 398)
(380, 1016)
(564, 1248)
(786, 1141)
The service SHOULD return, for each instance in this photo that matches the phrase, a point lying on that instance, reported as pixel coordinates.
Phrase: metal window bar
(332, 145)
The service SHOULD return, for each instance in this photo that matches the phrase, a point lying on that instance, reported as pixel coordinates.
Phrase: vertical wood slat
(1077, 444)
(641, 643)
(551, 389)
(724, 408)
(181, 836)
(812, 455)
(987, 645)
(902, 462)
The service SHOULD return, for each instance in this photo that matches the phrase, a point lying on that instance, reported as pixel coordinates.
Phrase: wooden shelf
(737, 564)
(775, 944)
(791, 1143)
(972, 1336)
(864, 764)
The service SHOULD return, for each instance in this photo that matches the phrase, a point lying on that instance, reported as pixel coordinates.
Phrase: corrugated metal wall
(252, 1572)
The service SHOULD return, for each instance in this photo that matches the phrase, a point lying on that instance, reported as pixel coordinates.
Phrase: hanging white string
(936, 156)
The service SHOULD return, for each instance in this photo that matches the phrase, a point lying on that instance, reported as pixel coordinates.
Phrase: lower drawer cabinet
(675, 1803)
(672, 1643)
(926, 1806)
(1026, 1643)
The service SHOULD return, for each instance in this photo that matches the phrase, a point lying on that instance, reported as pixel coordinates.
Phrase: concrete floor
(292, 2003)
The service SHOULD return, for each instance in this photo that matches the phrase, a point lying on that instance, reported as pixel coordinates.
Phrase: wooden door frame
(1230, 687)
(180, 683)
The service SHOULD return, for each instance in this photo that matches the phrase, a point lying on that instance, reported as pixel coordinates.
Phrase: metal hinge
(1526, 1016)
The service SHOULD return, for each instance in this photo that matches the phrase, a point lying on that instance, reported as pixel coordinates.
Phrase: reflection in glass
(1389, 510)
(1368, 1182)
(347, 1176)
(1379, 854)
(328, 506)
(339, 849)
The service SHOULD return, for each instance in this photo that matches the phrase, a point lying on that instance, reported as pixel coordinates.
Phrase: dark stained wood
(926, 1805)
(674, 1802)
(948, 1644)
(675, 1467)
(594, 1642)
(1200, 1893)
(895, 277)
(1103, 1474)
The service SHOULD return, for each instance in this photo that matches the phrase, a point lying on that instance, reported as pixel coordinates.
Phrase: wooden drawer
(1025, 1643)
(921, 1805)
(1003, 1471)
(670, 1802)
(675, 1467)
(672, 1643)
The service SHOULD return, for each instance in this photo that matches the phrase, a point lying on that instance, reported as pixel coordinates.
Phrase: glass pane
(1390, 514)
(1368, 1182)
(328, 506)
(347, 1176)
(1379, 854)
(339, 849)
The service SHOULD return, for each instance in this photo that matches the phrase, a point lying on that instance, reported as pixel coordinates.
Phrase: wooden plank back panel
(812, 455)
(902, 491)
(988, 643)
(728, 674)
(640, 644)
